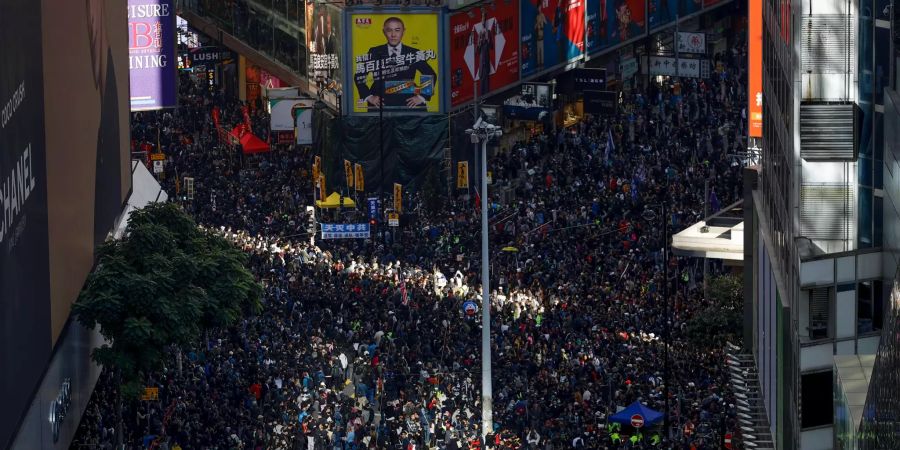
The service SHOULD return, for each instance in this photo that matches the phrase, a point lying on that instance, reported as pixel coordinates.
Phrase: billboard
(662, 12)
(151, 54)
(303, 125)
(600, 102)
(534, 102)
(686, 7)
(612, 22)
(485, 42)
(754, 63)
(282, 110)
(324, 42)
(552, 33)
(24, 254)
(395, 62)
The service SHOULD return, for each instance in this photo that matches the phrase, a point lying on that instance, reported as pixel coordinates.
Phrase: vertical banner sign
(322, 192)
(395, 62)
(398, 197)
(462, 175)
(755, 96)
(661, 12)
(484, 49)
(324, 42)
(360, 177)
(24, 250)
(151, 54)
(348, 173)
(372, 203)
(317, 164)
(612, 22)
(552, 33)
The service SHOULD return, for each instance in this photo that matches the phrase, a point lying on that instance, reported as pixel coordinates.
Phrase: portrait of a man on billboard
(395, 75)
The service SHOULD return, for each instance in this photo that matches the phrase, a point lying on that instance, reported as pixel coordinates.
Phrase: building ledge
(719, 236)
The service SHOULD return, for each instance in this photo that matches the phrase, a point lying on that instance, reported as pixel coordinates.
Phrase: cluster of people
(377, 344)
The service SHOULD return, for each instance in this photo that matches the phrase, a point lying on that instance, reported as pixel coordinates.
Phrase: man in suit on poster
(394, 77)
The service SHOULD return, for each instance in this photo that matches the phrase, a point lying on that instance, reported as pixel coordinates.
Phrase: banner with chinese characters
(754, 64)
(152, 61)
(398, 197)
(324, 41)
(360, 177)
(395, 62)
(345, 230)
(462, 175)
(670, 67)
(348, 173)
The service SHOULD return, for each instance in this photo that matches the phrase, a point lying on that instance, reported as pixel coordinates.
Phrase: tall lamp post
(649, 215)
(483, 132)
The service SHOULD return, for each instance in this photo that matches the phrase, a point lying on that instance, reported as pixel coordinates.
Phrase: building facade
(818, 281)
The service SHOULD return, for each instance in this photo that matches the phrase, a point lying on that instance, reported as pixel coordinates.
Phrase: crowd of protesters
(367, 344)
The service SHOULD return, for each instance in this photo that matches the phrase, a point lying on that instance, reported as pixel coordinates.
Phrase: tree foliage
(723, 319)
(162, 284)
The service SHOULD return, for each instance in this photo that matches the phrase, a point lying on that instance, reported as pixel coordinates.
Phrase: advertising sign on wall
(684, 67)
(324, 42)
(283, 111)
(395, 62)
(691, 42)
(484, 48)
(24, 264)
(661, 12)
(303, 125)
(754, 63)
(600, 102)
(686, 7)
(151, 54)
(611, 22)
(552, 33)
(628, 67)
(533, 103)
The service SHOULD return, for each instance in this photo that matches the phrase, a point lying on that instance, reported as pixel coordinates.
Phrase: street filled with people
(376, 343)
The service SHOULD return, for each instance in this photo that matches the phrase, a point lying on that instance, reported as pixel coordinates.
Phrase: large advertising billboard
(151, 54)
(662, 12)
(754, 63)
(484, 48)
(552, 33)
(686, 7)
(612, 22)
(324, 43)
(395, 62)
(24, 259)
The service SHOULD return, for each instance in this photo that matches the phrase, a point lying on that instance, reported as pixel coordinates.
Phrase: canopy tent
(249, 142)
(334, 201)
(649, 416)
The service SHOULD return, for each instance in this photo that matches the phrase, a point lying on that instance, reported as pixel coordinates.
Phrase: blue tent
(624, 416)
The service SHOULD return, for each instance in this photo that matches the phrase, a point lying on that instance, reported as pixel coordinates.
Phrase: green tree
(723, 318)
(162, 285)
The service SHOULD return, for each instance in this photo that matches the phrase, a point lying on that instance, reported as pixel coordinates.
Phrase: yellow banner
(348, 172)
(322, 194)
(316, 168)
(360, 178)
(398, 197)
(402, 50)
(462, 175)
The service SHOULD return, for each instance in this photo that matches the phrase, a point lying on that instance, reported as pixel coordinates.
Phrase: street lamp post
(650, 215)
(482, 132)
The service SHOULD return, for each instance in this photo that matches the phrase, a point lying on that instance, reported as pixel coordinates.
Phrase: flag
(348, 172)
(610, 145)
(713, 202)
(360, 178)
(398, 197)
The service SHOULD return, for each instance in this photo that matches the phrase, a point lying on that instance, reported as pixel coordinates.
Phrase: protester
(366, 344)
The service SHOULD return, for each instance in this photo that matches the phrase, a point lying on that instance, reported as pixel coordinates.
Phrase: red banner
(754, 94)
(483, 39)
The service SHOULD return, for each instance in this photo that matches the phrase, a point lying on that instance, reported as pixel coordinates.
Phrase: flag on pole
(610, 145)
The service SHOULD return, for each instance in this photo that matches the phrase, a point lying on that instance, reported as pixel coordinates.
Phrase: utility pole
(481, 133)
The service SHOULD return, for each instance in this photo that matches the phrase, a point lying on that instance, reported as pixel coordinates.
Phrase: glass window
(865, 217)
(869, 307)
(815, 409)
(865, 171)
(879, 219)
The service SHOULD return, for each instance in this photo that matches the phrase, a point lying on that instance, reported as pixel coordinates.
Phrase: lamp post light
(483, 132)
(650, 215)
